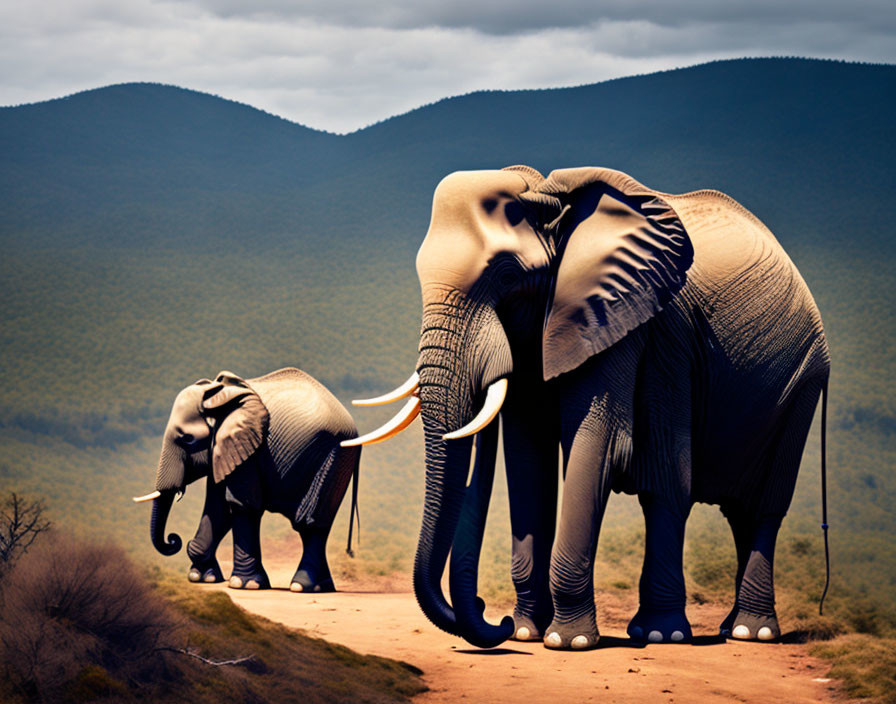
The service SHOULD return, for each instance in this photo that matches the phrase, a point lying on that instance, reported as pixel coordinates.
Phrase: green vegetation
(78, 623)
(152, 236)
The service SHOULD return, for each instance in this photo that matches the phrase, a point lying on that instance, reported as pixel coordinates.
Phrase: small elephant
(666, 343)
(265, 444)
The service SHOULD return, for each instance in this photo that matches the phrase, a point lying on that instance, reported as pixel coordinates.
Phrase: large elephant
(265, 444)
(665, 342)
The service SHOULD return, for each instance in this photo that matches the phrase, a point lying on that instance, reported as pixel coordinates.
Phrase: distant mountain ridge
(768, 131)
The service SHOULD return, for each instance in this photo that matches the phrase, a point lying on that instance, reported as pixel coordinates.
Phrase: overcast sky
(342, 64)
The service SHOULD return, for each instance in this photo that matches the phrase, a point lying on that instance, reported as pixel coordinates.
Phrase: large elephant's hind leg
(315, 518)
(213, 526)
(742, 530)
(661, 617)
(754, 617)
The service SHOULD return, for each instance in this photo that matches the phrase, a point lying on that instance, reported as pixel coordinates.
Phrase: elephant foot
(206, 574)
(743, 625)
(580, 634)
(660, 626)
(524, 629)
(303, 582)
(259, 580)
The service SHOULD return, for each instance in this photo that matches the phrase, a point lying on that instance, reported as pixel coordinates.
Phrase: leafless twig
(216, 663)
(21, 521)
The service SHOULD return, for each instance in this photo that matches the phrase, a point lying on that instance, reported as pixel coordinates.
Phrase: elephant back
(303, 412)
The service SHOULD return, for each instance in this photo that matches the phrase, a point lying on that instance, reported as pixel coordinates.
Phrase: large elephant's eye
(514, 213)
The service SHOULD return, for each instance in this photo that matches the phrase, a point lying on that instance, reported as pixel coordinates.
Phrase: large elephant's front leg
(530, 455)
(213, 526)
(586, 488)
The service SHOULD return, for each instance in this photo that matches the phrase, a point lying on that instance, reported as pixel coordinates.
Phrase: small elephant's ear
(623, 255)
(242, 430)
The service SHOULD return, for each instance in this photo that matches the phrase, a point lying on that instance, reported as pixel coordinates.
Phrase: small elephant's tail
(355, 513)
(824, 494)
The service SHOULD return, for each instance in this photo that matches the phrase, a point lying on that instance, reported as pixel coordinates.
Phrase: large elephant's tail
(824, 494)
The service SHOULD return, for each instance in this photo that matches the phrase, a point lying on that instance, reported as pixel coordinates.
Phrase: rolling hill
(153, 235)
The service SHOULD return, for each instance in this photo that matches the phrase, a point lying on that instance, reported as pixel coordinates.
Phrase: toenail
(523, 633)
(296, 587)
(765, 633)
(655, 637)
(580, 642)
(676, 636)
(741, 632)
(236, 583)
(553, 640)
(637, 632)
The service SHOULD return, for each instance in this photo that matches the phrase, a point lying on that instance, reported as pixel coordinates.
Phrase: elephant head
(214, 427)
(523, 279)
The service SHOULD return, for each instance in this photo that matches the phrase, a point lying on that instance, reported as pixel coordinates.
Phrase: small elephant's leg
(530, 456)
(248, 572)
(661, 616)
(213, 526)
(585, 492)
(313, 574)
(315, 517)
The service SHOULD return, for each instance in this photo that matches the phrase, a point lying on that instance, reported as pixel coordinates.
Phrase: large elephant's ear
(623, 255)
(243, 426)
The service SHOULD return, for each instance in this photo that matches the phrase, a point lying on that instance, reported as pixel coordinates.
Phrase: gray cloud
(343, 64)
(515, 16)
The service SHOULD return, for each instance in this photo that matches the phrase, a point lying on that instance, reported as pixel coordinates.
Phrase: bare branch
(215, 663)
(21, 521)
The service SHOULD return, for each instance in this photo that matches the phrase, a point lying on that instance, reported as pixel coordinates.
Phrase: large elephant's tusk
(494, 398)
(402, 420)
(148, 497)
(403, 391)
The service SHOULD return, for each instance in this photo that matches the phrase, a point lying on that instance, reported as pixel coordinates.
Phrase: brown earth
(381, 617)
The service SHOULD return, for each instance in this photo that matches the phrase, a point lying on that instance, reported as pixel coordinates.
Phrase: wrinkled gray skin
(265, 444)
(666, 343)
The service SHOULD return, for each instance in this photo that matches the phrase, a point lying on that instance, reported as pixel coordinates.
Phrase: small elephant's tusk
(494, 398)
(402, 420)
(403, 391)
(148, 497)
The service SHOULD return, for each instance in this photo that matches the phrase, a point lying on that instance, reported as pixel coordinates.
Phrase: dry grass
(78, 622)
(865, 665)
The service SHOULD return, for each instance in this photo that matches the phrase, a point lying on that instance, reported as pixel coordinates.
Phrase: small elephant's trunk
(161, 507)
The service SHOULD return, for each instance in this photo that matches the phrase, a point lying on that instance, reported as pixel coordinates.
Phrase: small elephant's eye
(186, 437)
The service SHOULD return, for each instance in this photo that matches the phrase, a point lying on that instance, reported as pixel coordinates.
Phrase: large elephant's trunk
(463, 575)
(462, 351)
(446, 464)
(161, 507)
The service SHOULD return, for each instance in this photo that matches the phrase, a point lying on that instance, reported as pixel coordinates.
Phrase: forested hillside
(152, 235)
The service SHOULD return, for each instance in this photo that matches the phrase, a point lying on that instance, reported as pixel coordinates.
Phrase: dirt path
(384, 619)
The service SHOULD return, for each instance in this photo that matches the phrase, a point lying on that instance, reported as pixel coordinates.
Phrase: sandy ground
(382, 618)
